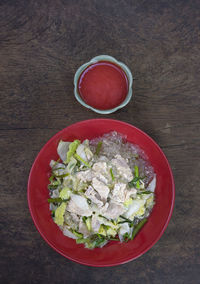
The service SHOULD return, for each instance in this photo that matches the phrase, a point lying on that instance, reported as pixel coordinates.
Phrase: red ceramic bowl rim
(116, 262)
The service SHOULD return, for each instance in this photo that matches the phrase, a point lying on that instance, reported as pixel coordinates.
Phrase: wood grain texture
(42, 43)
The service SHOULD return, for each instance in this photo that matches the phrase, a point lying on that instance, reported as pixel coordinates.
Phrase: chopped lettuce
(72, 149)
(102, 230)
(88, 223)
(111, 232)
(134, 207)
(59, 214)
(72, 164)
(124, 231)
(81, 151)
(82, 160)
(140, 212)
(68, 233)
(81, 241)
(77, 234)
(88, 153)
(65, 193)
(128, 202)
(62, 149)
(56, 165)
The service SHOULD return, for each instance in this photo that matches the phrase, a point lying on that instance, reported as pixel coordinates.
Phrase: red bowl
(114, 253)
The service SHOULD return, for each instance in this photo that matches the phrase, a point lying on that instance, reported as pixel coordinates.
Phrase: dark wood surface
(42, 43)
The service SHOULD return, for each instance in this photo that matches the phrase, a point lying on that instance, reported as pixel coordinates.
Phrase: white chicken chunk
(100, 177)
(122, 167)
(88, 175)
(118, 192)
(93, 196)
(78, 204)
(114, 210)
(103, 209)
(85, 176)
(101, 188)
(100, 167)
(131, 192)
(75, 218)
(100, 170)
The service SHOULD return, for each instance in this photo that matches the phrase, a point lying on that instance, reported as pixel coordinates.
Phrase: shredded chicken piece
(78, 204)
(85, 176)
(101, 188)
(131, 192)
(100, 177)
(88, 175)
(104, 208)
(114, 210)
(93, 196)
(75, 218)
(100, 171)
(122, 167)
(118, 193)
(100, 167)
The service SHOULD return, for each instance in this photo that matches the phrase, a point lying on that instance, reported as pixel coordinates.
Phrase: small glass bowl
(95, 60)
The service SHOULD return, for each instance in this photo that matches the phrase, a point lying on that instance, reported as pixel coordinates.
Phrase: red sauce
(103, 85)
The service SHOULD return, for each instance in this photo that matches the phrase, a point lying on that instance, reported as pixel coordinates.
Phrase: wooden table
(42, 43)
